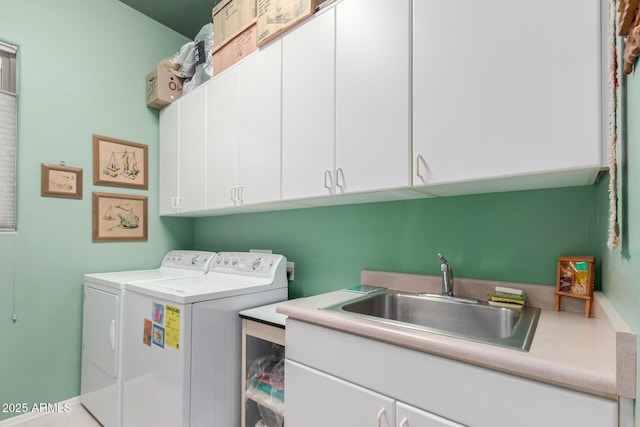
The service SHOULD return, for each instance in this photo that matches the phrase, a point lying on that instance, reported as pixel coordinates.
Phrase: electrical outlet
(290, 268)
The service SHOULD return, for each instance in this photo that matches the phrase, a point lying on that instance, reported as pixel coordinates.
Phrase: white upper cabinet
(505, 89)
(244, 130)
(260, 98)
(372, 90)
(182, 163)
(169, 152)
(374, 100)
(193, 131)
(223, 124)
(308, 106)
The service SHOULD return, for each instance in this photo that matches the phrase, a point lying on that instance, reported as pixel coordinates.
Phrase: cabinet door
(169, 154)
(373, 94)
(192, 169)
(223, 112)
(315, 399)
(308, 63)
(502, 88)
(409, 416)
(260, 95)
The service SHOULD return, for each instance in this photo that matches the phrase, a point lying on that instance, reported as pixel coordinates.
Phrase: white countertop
(265, 314)
(567, 349)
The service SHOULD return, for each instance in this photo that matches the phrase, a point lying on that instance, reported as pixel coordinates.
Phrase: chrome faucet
(447, 277)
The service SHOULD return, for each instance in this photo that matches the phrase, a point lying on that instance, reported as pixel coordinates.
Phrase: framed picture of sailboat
(119, 217)
(120, 163)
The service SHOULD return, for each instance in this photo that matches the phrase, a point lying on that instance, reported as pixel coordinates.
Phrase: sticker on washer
(157, 313)
(172, 331)
(146, 334)
(158, 335)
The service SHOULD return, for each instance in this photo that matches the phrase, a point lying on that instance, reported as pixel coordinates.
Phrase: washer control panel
(192, 260)
(246, 262)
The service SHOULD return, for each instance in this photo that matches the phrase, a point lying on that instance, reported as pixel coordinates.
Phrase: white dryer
(183, 341)
(102, 329)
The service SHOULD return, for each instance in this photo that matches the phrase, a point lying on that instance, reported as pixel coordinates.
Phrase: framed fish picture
(120, 163)
(119, 217)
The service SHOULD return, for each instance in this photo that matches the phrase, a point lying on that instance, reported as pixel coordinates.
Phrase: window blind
(8, 136)
(8, 161)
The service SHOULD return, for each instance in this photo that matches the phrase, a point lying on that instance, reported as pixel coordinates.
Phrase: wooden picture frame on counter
(60, 181)
(575, 279)
(120, 163)
(119, 217)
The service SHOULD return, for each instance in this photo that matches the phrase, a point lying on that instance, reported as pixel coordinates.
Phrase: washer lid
(195, 289)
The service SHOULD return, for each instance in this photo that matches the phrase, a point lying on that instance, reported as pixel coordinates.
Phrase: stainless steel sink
(448, 316)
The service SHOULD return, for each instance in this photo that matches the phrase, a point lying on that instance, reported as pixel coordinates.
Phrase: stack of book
(507, 297)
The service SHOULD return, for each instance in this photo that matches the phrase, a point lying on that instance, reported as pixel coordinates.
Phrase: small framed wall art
(119, 217)
(120, 163)
(575, 278)
(61, 181)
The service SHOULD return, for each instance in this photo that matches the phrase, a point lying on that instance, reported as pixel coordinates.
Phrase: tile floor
(76, 417)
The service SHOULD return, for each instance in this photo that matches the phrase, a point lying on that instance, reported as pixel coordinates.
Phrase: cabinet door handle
(419, 159)
(175, 202)
(340, 173)
(327, 180)
(404, 422)
(241, 193)
(234, 194)
(380, 415)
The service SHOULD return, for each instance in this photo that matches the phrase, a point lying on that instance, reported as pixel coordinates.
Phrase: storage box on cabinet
(163, 87)
(229, 17)
(276, 17)
(235, 48)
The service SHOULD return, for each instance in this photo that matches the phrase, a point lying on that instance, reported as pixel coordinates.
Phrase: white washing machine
(183, 341)
(102, 329)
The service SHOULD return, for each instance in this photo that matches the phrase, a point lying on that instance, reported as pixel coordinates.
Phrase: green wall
(621, 280)
(513, 236)
(82, 68)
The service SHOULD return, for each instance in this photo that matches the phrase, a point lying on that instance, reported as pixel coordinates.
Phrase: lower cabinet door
(409, 416)
(315, 399)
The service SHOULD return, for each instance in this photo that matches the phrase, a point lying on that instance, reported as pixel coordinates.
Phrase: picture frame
(119, 217)
(575, 278)
(120, 163)
(60, 181)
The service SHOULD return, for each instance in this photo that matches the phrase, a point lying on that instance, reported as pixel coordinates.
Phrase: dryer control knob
(195, 259)
(256, 264)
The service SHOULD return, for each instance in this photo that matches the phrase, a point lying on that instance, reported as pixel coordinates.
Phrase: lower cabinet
(410, 416)
(335, 378)
(316, 399)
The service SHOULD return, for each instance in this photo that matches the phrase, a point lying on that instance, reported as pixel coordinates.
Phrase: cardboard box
(235, 49)
(230, 17)
(163, 87)
(277, 16)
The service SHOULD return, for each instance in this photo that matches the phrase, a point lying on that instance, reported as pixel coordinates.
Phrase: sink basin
(448, 316)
